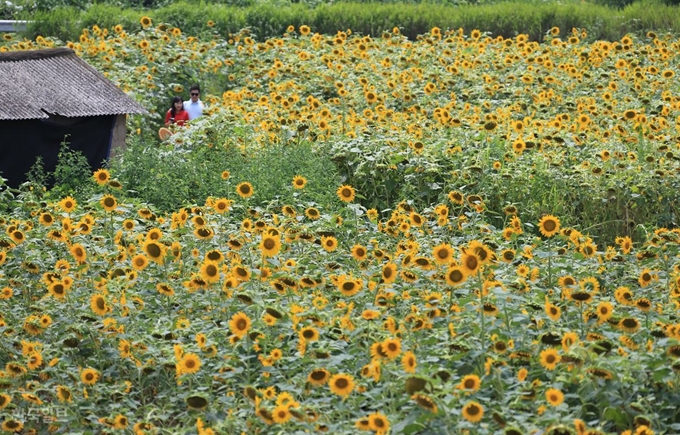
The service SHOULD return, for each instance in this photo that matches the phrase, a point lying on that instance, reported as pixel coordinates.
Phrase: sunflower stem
(481, 313)
(550, 264)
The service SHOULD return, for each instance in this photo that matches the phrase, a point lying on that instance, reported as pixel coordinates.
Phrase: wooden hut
(52, 96)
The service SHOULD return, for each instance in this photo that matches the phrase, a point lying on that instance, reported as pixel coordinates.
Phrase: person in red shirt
(176, 114)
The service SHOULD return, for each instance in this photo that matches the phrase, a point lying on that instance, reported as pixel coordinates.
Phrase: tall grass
(265, 20)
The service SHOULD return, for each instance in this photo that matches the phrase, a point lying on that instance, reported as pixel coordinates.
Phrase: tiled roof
(36, 83)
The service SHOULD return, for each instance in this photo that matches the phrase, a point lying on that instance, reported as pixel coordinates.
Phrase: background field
(380, 229)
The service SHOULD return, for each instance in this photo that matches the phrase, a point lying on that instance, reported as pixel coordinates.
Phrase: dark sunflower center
(455, 275)
(154, 250)
(471, 262)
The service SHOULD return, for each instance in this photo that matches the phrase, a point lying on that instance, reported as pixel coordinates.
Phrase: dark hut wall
(21, 141)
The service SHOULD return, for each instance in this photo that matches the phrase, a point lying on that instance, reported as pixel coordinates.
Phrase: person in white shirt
(194, 106)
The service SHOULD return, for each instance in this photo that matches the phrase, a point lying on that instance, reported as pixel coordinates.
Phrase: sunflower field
(457, 234)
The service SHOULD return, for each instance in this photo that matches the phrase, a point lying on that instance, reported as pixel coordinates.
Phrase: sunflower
(507, 255)
(549, 359)
(6, 293)
(456, 275)
(568, 340)
(120, 422)
(456, 197)
(270, 245)
(68, 204)
(101, 176)
(221, 205)
(554, 396)
(359, 252)
(12, 425)
(643, 304)
(204, 233)
(281, 414)
(304, 30)
(553, 311)
(318, 377)
(549, 225)
(46, 219)
(5, 400)
(442, 253)
(210, 272)
(624, 295)
(363, 424)
(349, 286)
(522, 374)
(470, 383)
(646, 277)
(17, 236)
(241, 273)
(14, 369)
(155, 251)
(341, 384)
(214, 255)
(299, 182)
(198, 221)
(409, 362)
(140, 262)
(588, 249)
(470, 263)
(581, 296)
(629, 324)
(391, 347)
(89, 376)
(389, 273)
(309, 334)
(34, 361)
(604, 311)
(626, 244)
(329, 243)
(98, 305)
(244, 190)
(425, 402)
(473, 412)
(239, 325)
(416, 219)
(379, 422)
(188, 364)
(346, 193)
(109, 203)
(145, 21)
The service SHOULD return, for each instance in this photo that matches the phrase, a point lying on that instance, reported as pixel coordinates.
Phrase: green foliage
(172, 178)
(264, 20)
(72, 175)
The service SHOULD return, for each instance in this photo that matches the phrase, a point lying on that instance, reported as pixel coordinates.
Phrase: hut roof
(39, 83)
